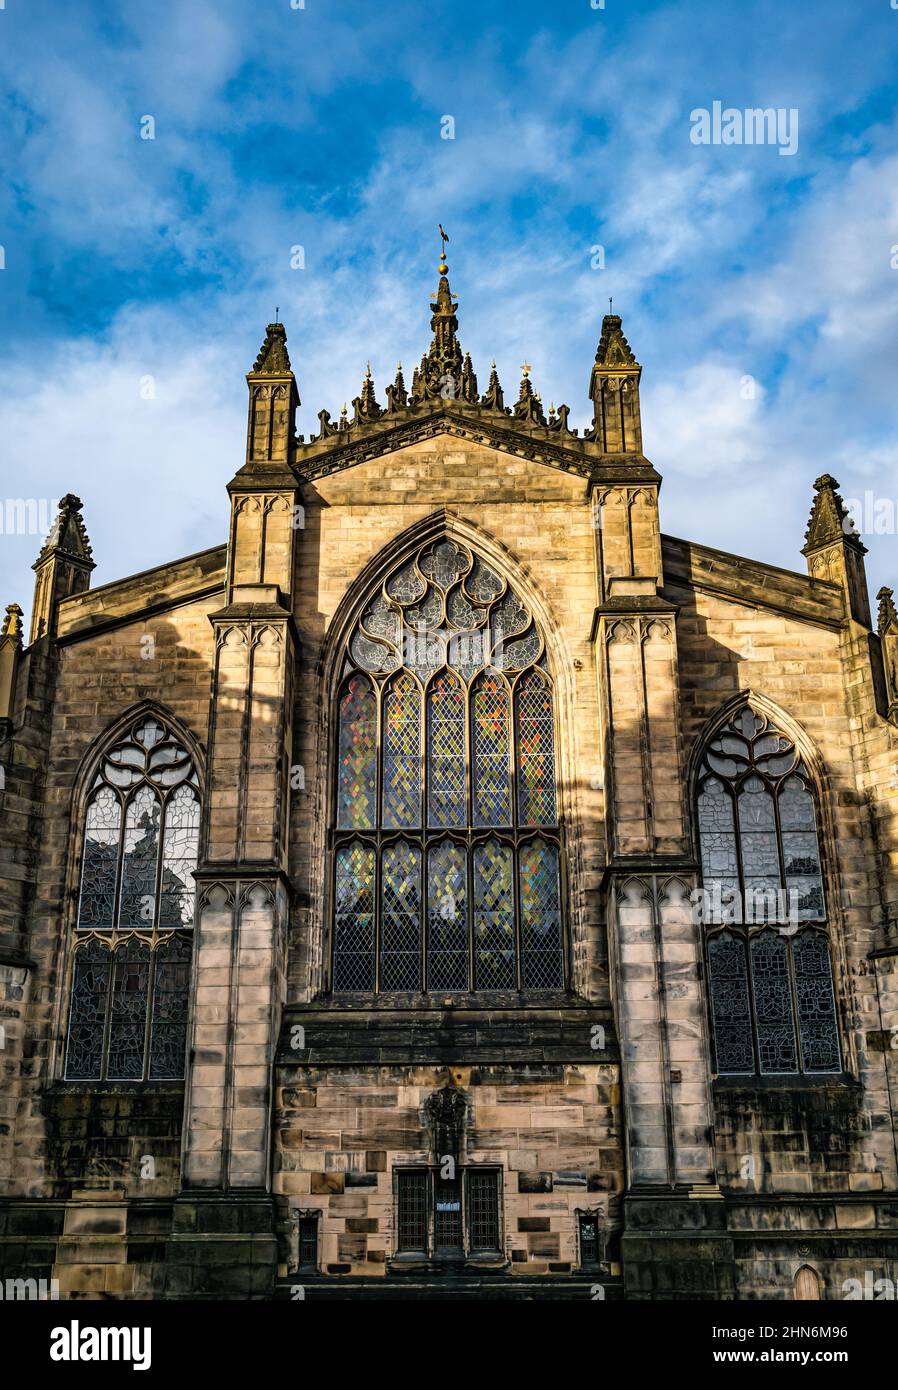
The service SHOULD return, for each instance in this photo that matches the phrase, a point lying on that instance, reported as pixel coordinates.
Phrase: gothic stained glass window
(446, 843)
(770, 979)
(131, 966)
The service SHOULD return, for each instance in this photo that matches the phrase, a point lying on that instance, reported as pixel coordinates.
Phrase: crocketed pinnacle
(68, 534)
(273, 358)
(829, 519)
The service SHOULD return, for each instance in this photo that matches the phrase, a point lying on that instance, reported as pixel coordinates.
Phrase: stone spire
(440, 373)
(614, 392)
(833, 549)
(62, 568)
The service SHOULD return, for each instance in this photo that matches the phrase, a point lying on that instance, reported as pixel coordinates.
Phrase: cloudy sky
(757, 288)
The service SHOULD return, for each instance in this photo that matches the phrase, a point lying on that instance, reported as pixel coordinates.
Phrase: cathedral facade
(452, 886)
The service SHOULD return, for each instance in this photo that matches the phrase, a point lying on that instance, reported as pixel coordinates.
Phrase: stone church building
(452, 885)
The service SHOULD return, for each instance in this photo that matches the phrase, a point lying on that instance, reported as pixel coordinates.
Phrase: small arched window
(131, 968)
(770, 977)
(446, 843)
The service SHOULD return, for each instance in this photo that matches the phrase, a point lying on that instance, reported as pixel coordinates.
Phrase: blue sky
(140, 274)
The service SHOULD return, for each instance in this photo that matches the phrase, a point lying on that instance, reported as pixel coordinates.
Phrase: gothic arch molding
(439, 525)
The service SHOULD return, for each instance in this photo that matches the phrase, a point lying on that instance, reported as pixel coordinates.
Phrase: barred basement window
(308, 1243)
(590, 1247)
(412, 1215)
(770, 977)
(448, 1218)
(131, 969)
(483, 1209)
(446, 846)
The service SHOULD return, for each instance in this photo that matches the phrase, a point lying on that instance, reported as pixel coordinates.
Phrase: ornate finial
(397, 396)
(829, 519)
(273, 358)
(888, 615)
(344, 422)
(444, 269)
(528, 405)
(12, 625)
(366, 405)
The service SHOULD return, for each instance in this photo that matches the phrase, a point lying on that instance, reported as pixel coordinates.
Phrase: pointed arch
(135, 831)
(755, 780)
(442, 634)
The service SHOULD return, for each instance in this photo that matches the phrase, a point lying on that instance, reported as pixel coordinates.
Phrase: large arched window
(131, 969)
(770, 977)
(446, 845)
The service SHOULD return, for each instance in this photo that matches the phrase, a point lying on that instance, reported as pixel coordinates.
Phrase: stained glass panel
(801, 856)
(171, 994)
(772, 994)
(99, 865)
(730, 1005)
(128, 1010)
(536, 751)
(717, 832)
(817, 1026)
(541, 959)
(140, 860)
(494, 934)
(354, 919)
(490, 748)
(400, 954)
(447, 917)
(446, 790)
(757, 838)
(180, 844)
(402, 755)
(357, 790)
(87, 1015)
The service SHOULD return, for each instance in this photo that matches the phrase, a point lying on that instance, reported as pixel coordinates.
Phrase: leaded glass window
(446, 844)
(770, 981)
(131, 966)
